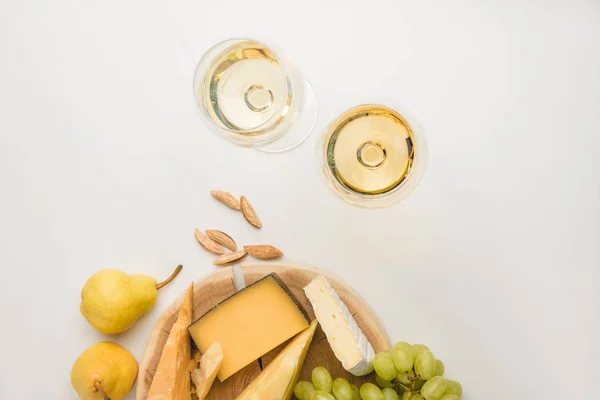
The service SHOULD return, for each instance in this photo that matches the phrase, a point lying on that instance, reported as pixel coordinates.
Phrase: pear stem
(101, 390)
(170, 278)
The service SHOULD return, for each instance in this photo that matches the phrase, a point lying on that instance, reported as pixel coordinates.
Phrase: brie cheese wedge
(348, 342)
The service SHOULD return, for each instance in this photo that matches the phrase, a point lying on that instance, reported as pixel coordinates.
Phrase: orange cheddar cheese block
(204, 376)
(249, 324)
(172, 378)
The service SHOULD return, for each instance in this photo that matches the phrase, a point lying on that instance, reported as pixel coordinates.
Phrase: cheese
(205, 375)
(277, 381)
(348, 342)
(172, 378)
(249, 324)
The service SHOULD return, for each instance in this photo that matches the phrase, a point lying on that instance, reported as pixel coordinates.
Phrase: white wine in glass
(373, 155)
(251, 93)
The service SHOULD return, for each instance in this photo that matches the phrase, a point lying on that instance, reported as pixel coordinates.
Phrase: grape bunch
(409, 371)
(323, 387)
(414, 372)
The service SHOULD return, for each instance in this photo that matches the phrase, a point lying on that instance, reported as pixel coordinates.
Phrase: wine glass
(249, 92)
(373, 154)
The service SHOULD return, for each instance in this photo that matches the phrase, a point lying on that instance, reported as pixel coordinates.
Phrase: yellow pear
(112, 300)
(105, 371)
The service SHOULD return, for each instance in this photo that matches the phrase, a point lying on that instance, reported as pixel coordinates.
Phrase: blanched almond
(226, 198)
(249, 212)
(231, 258)
(222, 238)
(208, 243)
(263, 251)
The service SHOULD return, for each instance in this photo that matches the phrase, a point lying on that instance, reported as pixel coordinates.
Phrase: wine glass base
(300, 129)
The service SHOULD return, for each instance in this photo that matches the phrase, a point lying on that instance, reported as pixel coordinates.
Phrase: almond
(222, 238)
(263, 251)
(249, 212)
(226, 198)
(231, 258)
(208, 243)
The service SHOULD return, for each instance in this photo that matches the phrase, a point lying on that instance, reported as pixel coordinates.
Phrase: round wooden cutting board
(219, 285)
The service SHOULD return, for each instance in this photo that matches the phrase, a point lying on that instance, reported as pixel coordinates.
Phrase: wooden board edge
(251, 271)
(141, 390)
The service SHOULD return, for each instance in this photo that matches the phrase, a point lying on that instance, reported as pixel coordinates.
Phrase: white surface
(492, 262)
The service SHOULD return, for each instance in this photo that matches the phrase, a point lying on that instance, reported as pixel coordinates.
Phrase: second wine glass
(373, 154)
(252, 94)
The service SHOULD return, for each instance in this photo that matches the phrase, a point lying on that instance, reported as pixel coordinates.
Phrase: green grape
(355, 393)
(439, 368)
(418, 384)
(417, 348)
(403, 359)
(368, 391)
(321, 395)
(453, 387)
(405, 378)
(424, 365)
(389, 394)
(450, 397)
(342, 389)
(384, 366)
(321, 379)
(412, 396)
(383, 383)
(303, 390)
(434, 388)
(403, 345)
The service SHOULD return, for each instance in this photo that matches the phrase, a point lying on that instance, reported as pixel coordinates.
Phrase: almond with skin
(222, 238)
(249, 213)
(263, 251)
(226, 198)
(208, 243)
(231, 258)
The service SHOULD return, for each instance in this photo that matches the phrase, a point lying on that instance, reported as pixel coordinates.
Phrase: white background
(493, 262)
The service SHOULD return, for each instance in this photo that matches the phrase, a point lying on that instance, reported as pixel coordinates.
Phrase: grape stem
(412, 383)
(412, 380)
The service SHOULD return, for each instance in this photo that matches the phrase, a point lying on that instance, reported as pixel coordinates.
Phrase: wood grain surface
(217, 286)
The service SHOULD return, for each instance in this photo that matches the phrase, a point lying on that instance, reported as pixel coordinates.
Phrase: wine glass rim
(199, 72)
(405, 187)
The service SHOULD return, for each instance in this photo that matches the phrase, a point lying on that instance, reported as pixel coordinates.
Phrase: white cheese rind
(365, 364)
